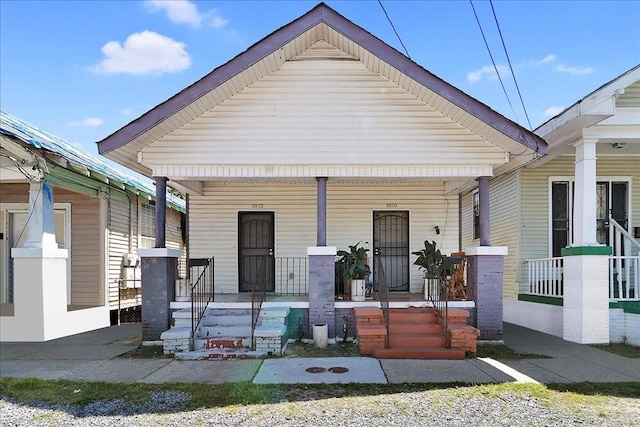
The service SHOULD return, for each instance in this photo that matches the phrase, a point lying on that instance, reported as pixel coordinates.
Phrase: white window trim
(571, 180)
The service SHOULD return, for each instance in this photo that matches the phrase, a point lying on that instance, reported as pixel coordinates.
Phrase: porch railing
(202, 290)
(292, 276)
(624, 265)
(545, 277)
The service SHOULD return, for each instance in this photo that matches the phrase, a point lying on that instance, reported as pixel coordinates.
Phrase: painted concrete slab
(117, 370)
(321, 370)
(441, 371)
(577, 372)
(205, 371)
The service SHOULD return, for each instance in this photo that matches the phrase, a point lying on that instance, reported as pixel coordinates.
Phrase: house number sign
(392, 205)
(257, 206)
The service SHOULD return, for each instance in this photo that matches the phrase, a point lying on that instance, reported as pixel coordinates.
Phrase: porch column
(161, 210)
(322, 304)
(584, 212)
(159, 267)
(321, 211)
(485, 276)
(40, 232)
(585, 313)
(485, 213)
(40, 276)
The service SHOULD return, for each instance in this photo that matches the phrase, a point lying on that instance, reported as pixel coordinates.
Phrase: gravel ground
(449, 408)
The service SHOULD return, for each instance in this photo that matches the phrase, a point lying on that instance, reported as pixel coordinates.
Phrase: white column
(40, 230)
(584, 210)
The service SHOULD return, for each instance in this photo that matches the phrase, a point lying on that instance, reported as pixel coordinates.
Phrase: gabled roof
(267, 55)
(44, 141)
(592, 115)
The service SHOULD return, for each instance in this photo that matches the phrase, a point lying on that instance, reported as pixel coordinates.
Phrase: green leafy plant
(431, 260)
(353, 263)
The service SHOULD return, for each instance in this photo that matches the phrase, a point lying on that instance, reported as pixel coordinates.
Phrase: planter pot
(431, 288)
(357, 289)
(320, 335)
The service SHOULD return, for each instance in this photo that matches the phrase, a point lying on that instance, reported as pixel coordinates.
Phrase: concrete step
(413, 340)
(221, 354)
(217, 331)
(412, 317)
(418, 353)
(222, 342)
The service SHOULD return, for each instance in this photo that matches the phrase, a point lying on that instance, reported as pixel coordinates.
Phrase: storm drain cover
(316, 370)
(338, 370)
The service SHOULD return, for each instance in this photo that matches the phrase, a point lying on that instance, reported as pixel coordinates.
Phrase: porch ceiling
(321, 24)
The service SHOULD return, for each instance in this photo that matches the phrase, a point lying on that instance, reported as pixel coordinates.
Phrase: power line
(510, 67)
(495, 67)
(394, 28)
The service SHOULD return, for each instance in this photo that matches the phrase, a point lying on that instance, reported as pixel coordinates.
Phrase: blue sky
(82, 69)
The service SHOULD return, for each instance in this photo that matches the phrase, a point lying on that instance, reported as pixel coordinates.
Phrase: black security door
(391, 249)
(255, 251)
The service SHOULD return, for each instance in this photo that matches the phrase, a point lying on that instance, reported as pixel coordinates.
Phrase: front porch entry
(256, 266)
(391, 249)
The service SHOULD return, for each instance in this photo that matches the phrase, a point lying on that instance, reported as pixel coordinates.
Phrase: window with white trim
(147, 225)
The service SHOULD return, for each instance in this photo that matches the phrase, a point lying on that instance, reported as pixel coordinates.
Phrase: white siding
(86, 283)
(214, 218)
(322, 111)
(118, 241)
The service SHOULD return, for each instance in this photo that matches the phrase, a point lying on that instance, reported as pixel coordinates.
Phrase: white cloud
(126, 111)
(573, 70)
(185, 12)
(144, 53)
(487, 70)
(89, 122)
(178, 11)
(554, 110)
(547, 59)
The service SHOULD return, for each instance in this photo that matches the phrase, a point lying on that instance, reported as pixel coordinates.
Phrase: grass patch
(81, 393)
(340, 349)
(502, 352)
(624, 350)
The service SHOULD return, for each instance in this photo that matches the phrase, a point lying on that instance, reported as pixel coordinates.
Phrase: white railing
(545, 277)
(624, 278)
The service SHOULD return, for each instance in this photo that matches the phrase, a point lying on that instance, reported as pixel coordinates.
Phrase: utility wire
(495, 67)
(510, 67)
(394, 28)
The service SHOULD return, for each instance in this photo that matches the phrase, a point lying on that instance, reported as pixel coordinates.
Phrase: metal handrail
(201, 292)
(380, 283)
(258, 297)
(438, 296)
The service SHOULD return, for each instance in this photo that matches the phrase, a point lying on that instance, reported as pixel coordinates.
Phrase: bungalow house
(572, 226)
(317, 137)
(70, 226)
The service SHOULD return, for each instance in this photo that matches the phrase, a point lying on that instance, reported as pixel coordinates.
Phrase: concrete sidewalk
(92, 356)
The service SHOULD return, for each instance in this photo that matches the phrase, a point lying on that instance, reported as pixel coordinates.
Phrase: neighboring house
(54, 196)
(317, 137)
(584, 193)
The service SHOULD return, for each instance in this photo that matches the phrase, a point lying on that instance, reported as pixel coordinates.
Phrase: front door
(391, 249)
(256, 262)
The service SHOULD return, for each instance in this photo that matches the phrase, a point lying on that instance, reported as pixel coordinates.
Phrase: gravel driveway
(449, 407)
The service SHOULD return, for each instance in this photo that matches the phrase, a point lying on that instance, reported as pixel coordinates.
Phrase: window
(611, 199)
(475, 201)
(147, 225)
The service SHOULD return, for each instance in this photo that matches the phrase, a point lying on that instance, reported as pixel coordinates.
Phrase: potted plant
(436, 267)
(355, 270)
